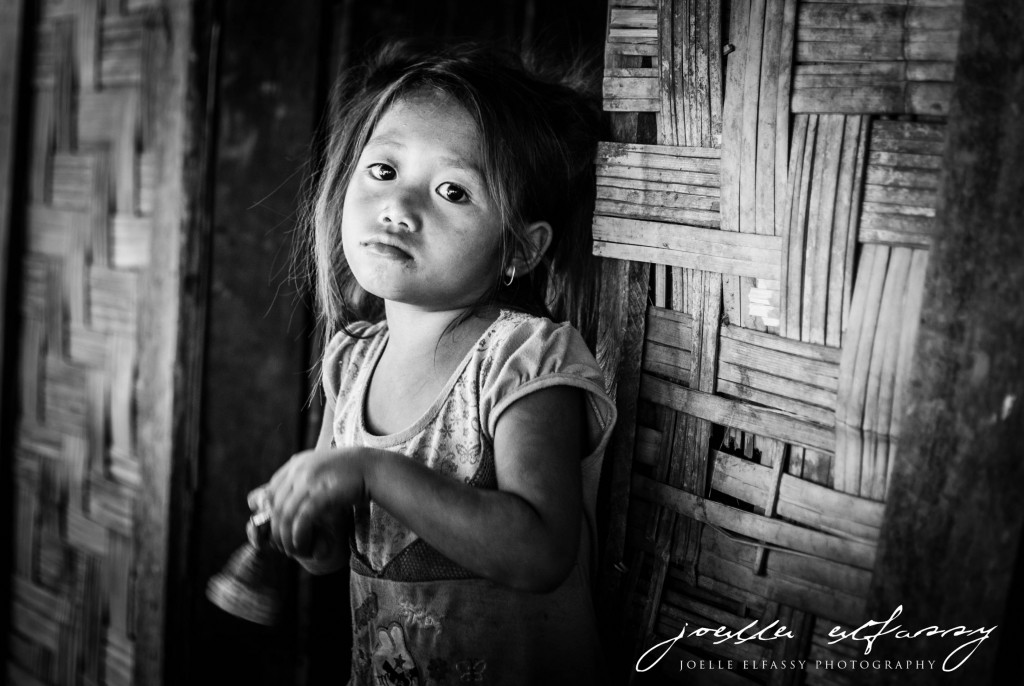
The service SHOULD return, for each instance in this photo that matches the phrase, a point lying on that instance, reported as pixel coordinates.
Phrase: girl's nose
(400, 213)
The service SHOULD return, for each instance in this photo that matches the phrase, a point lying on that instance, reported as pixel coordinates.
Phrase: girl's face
(418, 226)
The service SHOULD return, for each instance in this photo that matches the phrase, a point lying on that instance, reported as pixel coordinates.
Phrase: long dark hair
(539, 133)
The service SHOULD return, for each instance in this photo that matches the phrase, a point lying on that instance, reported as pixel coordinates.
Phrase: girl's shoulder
(345, 348)
(515, 332)
(522, 353)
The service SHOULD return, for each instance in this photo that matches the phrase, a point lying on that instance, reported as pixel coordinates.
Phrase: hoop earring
(512, 276)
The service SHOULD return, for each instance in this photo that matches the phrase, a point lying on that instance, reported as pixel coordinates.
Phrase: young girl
(464, 430)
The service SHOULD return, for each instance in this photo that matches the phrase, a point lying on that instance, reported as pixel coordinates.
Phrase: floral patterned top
(418, 617)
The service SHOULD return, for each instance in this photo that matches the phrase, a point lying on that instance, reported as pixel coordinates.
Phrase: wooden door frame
(949, 548)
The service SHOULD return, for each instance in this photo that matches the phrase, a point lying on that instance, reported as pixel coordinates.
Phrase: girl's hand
(308, 497)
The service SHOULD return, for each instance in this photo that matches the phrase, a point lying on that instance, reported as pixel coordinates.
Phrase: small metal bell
(247, 586)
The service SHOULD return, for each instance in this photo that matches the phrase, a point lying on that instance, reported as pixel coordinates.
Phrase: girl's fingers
(303, 527)
(286, 516)
(259, 498)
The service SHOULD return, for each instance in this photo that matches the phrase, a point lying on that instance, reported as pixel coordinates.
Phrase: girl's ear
(538, 238)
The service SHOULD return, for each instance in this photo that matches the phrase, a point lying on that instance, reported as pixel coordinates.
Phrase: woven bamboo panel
(88, 231)
(786, 216)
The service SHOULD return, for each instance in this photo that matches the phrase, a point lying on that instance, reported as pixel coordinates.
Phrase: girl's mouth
(387, 250)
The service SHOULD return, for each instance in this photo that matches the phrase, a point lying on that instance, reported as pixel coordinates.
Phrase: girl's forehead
(429, 114)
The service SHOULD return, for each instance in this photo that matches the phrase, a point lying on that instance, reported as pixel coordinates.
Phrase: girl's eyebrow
(385, 140)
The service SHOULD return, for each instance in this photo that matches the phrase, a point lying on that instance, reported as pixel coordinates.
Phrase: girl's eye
(452, 193)
(381, 171)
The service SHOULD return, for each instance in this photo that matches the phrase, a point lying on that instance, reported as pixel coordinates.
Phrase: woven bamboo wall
(769, 256)
(88, 234)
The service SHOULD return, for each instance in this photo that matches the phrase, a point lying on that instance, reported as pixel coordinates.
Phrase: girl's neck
(413, 332)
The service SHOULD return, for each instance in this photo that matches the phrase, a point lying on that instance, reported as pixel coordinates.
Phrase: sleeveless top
(418, 617)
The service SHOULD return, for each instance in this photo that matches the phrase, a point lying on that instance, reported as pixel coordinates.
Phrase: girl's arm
(524, 535)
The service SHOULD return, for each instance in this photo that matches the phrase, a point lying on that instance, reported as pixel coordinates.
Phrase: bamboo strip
(806, 401)
(659, 156)
(669, 327)
(882, 375)
(801, 501)
(49, 230)
(630, 88)
(684, 177)
(719, 410)
(75, 267)
(730, 387)
(847, 193)
(686, 246)
(820, 230)
(849, 100)
(630, 105)
(631, 49)
(110, 505)
(732, 128)
(87, 24)
(773, 454)
(792, 252)
(846, 14)
(130, 239)
(853, 367)
(696, 193)
(639, 18)
(87, 347)
(113, 299)
(884, 198)
(644, 209)
(668, 362)
(805, 362)
(636, 3)
(748, 143)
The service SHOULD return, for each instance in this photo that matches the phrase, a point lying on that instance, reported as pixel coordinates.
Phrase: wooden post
(953, 522)
(171, 337)
(12, 23)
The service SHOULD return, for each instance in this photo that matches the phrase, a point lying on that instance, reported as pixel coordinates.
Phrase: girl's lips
(387, 250)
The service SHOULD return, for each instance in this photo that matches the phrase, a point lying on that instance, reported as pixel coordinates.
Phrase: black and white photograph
(512, 343)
